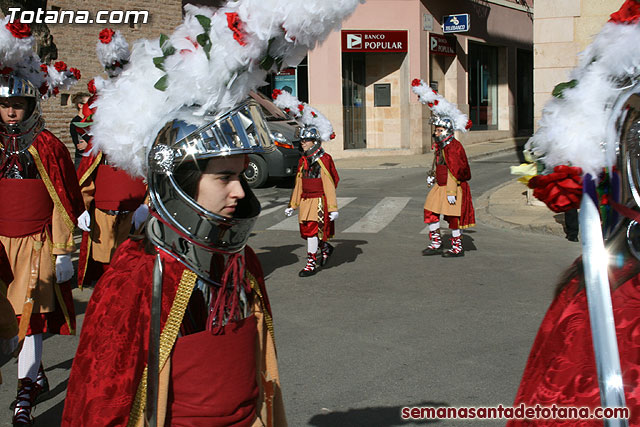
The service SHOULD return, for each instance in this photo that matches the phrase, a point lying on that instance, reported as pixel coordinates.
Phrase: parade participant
(80, 139)
(8, 324)
(586, 353)
(314, 193)
(214, 346)
(39, 203)
(450, 195)
(113, 199)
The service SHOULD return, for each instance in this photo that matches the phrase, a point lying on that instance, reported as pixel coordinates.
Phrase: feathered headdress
(308, 115)
(576, 126)
(208, 65)
(113, 51)
(439, 106)
(17, 57)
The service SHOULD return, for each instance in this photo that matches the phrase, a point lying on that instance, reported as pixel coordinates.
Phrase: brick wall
(76, 45)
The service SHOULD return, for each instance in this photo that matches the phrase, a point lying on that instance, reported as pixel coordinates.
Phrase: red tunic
(561, 368)
(112, 352)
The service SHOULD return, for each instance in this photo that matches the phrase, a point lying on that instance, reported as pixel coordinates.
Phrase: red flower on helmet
(416, 82)
(91, 86)
(332, 136)
(18, 29)
(430, 104)
(55, 91)
(60, 66)
(301, 107)
(287, 110)
(314, 115)
(6, 70)
(628, 13)
(106, 35)
(44, 68)
(560, 190)
(235, 24)
(468, 125)
(276, 93)
(75, 72)
(43, 89)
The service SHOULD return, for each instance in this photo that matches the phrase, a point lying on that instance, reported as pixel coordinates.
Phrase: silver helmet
(310, 132)
(18, 137)
(181, 226)
(443, 122)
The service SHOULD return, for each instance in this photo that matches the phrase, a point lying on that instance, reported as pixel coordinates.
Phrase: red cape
(458, 164)
(60, 171)
(112, 352)
(561, 368)
(327, 161)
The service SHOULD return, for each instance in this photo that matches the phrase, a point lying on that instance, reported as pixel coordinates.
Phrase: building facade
(360, 77)
(563, 29)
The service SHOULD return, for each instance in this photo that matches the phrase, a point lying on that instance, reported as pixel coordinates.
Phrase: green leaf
(267, 62)
(205, 22)
(561, 87)
(158, 61)
(167, 49)
(163, 39)
(204, 41)
(162, 83)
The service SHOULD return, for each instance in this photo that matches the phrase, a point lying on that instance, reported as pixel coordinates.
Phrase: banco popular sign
(374, 41)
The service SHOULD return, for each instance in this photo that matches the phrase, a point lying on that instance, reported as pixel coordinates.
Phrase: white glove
(430, 180)
(64, 268)
(9, 345)
(333, 216)
(452, 200)
(140, 215)
(288, 212)
(84, 221)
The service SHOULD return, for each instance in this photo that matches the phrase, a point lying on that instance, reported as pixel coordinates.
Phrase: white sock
(434, 226)
(312, 244)
(30, 357)
(456, 232)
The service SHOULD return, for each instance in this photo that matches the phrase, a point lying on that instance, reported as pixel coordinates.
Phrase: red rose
(60, 66)
(6, 70)
(55, 91)
(561, 190)
(91, 86)
(44, 68)
(235, 24)
(287, 110)
(416, 82)
(75, 72)
(300, 107)
(332, 136)
(436, 102)
(43, 89)
(314, 115)
(276, 93)
(18, 29)
(468, 125)
(106, 35)
(430, 104)
(628, 13)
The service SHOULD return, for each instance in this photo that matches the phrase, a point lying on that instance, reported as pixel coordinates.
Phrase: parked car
(283, 161)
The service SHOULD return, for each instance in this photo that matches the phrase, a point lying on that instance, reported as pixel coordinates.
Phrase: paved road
(382, 327)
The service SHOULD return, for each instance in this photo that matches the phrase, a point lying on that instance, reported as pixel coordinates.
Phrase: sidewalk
(505, 206)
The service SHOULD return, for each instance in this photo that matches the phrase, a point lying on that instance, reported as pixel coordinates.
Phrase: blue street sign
(455, 23)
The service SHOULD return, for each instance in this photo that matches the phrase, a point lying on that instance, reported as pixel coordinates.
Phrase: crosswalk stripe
(379, 216)
(291, 223)
(272, 209)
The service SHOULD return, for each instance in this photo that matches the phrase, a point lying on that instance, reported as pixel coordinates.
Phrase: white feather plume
(268, 33)
(576, 128)
(114, 54)
(440, 106)
(306, 113)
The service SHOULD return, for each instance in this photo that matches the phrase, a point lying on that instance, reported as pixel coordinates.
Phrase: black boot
(327, 250)
(435, 245)
(22, 413)
(311, 268)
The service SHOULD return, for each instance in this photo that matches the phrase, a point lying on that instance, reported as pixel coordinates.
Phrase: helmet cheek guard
(19, 136)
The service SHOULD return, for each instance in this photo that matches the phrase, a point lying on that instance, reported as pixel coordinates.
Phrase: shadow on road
(51, 416)
(380, 416)
(277, 256)
(345, 251)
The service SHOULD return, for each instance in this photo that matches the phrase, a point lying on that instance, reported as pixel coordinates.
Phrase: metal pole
(595, 259)
(153, 371)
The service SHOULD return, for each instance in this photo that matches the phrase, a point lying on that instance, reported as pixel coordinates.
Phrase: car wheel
(256, 173)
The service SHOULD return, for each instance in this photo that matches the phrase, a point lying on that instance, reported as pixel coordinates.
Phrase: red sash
(25, 207)
(312, 187)
(213, 378)
(441, 175)
(118, 191)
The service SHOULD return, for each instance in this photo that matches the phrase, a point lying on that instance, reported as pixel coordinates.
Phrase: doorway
(354, 100)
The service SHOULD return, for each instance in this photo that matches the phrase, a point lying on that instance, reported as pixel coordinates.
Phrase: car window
(270, 110)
